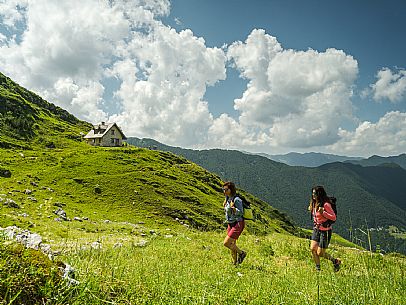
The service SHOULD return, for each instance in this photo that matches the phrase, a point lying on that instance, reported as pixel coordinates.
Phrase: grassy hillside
(118, 185)
(28, 121)
(368, 197)
(185, 266)
(56, 170)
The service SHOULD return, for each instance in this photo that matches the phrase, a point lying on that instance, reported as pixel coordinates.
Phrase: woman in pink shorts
(233, 208)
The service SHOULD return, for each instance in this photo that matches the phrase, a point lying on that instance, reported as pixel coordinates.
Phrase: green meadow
(186, 266)
(149, 230)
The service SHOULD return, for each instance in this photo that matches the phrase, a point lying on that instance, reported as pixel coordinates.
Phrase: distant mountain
(367, 196)
(311, 159)
(377, 160)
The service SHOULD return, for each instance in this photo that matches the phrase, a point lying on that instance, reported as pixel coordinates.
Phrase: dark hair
(321, 196)
(231, 186)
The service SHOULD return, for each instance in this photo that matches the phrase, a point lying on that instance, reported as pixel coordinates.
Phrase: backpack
(247, 211)
(328, 222)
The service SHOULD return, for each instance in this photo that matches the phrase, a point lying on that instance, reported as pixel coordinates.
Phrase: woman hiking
(322, 211)
(233, 208)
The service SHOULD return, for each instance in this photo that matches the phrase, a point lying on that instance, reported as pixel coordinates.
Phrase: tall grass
(195, 268)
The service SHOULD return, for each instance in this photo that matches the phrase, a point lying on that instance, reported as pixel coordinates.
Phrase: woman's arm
(328, 212)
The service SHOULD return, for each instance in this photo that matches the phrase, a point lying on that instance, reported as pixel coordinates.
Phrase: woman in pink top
(322, 212)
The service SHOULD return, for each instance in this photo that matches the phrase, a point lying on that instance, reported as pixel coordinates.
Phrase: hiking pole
(318, 288)
(369, 237)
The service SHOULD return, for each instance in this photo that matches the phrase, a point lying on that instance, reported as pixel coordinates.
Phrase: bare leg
(231, 244)
(322, 253)
(314, 246)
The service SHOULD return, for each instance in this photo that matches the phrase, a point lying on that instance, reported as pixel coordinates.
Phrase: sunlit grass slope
(112, 189)
(194, 268)
(186, 266)
(27, 121)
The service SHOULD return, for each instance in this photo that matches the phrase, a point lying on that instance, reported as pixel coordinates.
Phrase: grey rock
(97, 189)
(96, 245)
(5, 173)
(61, 213)
(142, 243)
(69, 274)
(11, 203)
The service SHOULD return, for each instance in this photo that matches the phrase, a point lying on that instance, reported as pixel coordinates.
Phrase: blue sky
(260, 76)
(371, 31)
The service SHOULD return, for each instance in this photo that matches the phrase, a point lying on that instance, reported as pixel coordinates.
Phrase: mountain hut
(105, 134)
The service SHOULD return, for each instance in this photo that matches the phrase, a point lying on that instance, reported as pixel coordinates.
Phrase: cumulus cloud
(12, 12)
(385, 137)
(390, 85)
(84, 100)
(293, 98)
(66, 55)
(227, 133)
(59, 43)
(163, 96)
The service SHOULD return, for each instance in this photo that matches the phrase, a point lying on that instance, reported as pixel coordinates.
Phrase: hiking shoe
(337, 264)
(241, 257)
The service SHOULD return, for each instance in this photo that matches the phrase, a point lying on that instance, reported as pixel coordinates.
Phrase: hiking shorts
(322, 237)
(235, 229)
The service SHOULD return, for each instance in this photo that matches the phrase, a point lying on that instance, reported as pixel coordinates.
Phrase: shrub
(27, 276)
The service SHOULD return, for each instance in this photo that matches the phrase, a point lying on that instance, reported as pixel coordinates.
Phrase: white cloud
(227, 133)
(63, 50)
(252, 57)
(3, 39)
(386, 137)
(163, 96)
(12, 12)
(178, 21)
(389, 85)
(65, 54)
(84, 100)
(61, 40)
(295, 99)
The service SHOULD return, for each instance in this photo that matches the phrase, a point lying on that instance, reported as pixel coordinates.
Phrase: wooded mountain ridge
(311, 159)
(368, 197)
